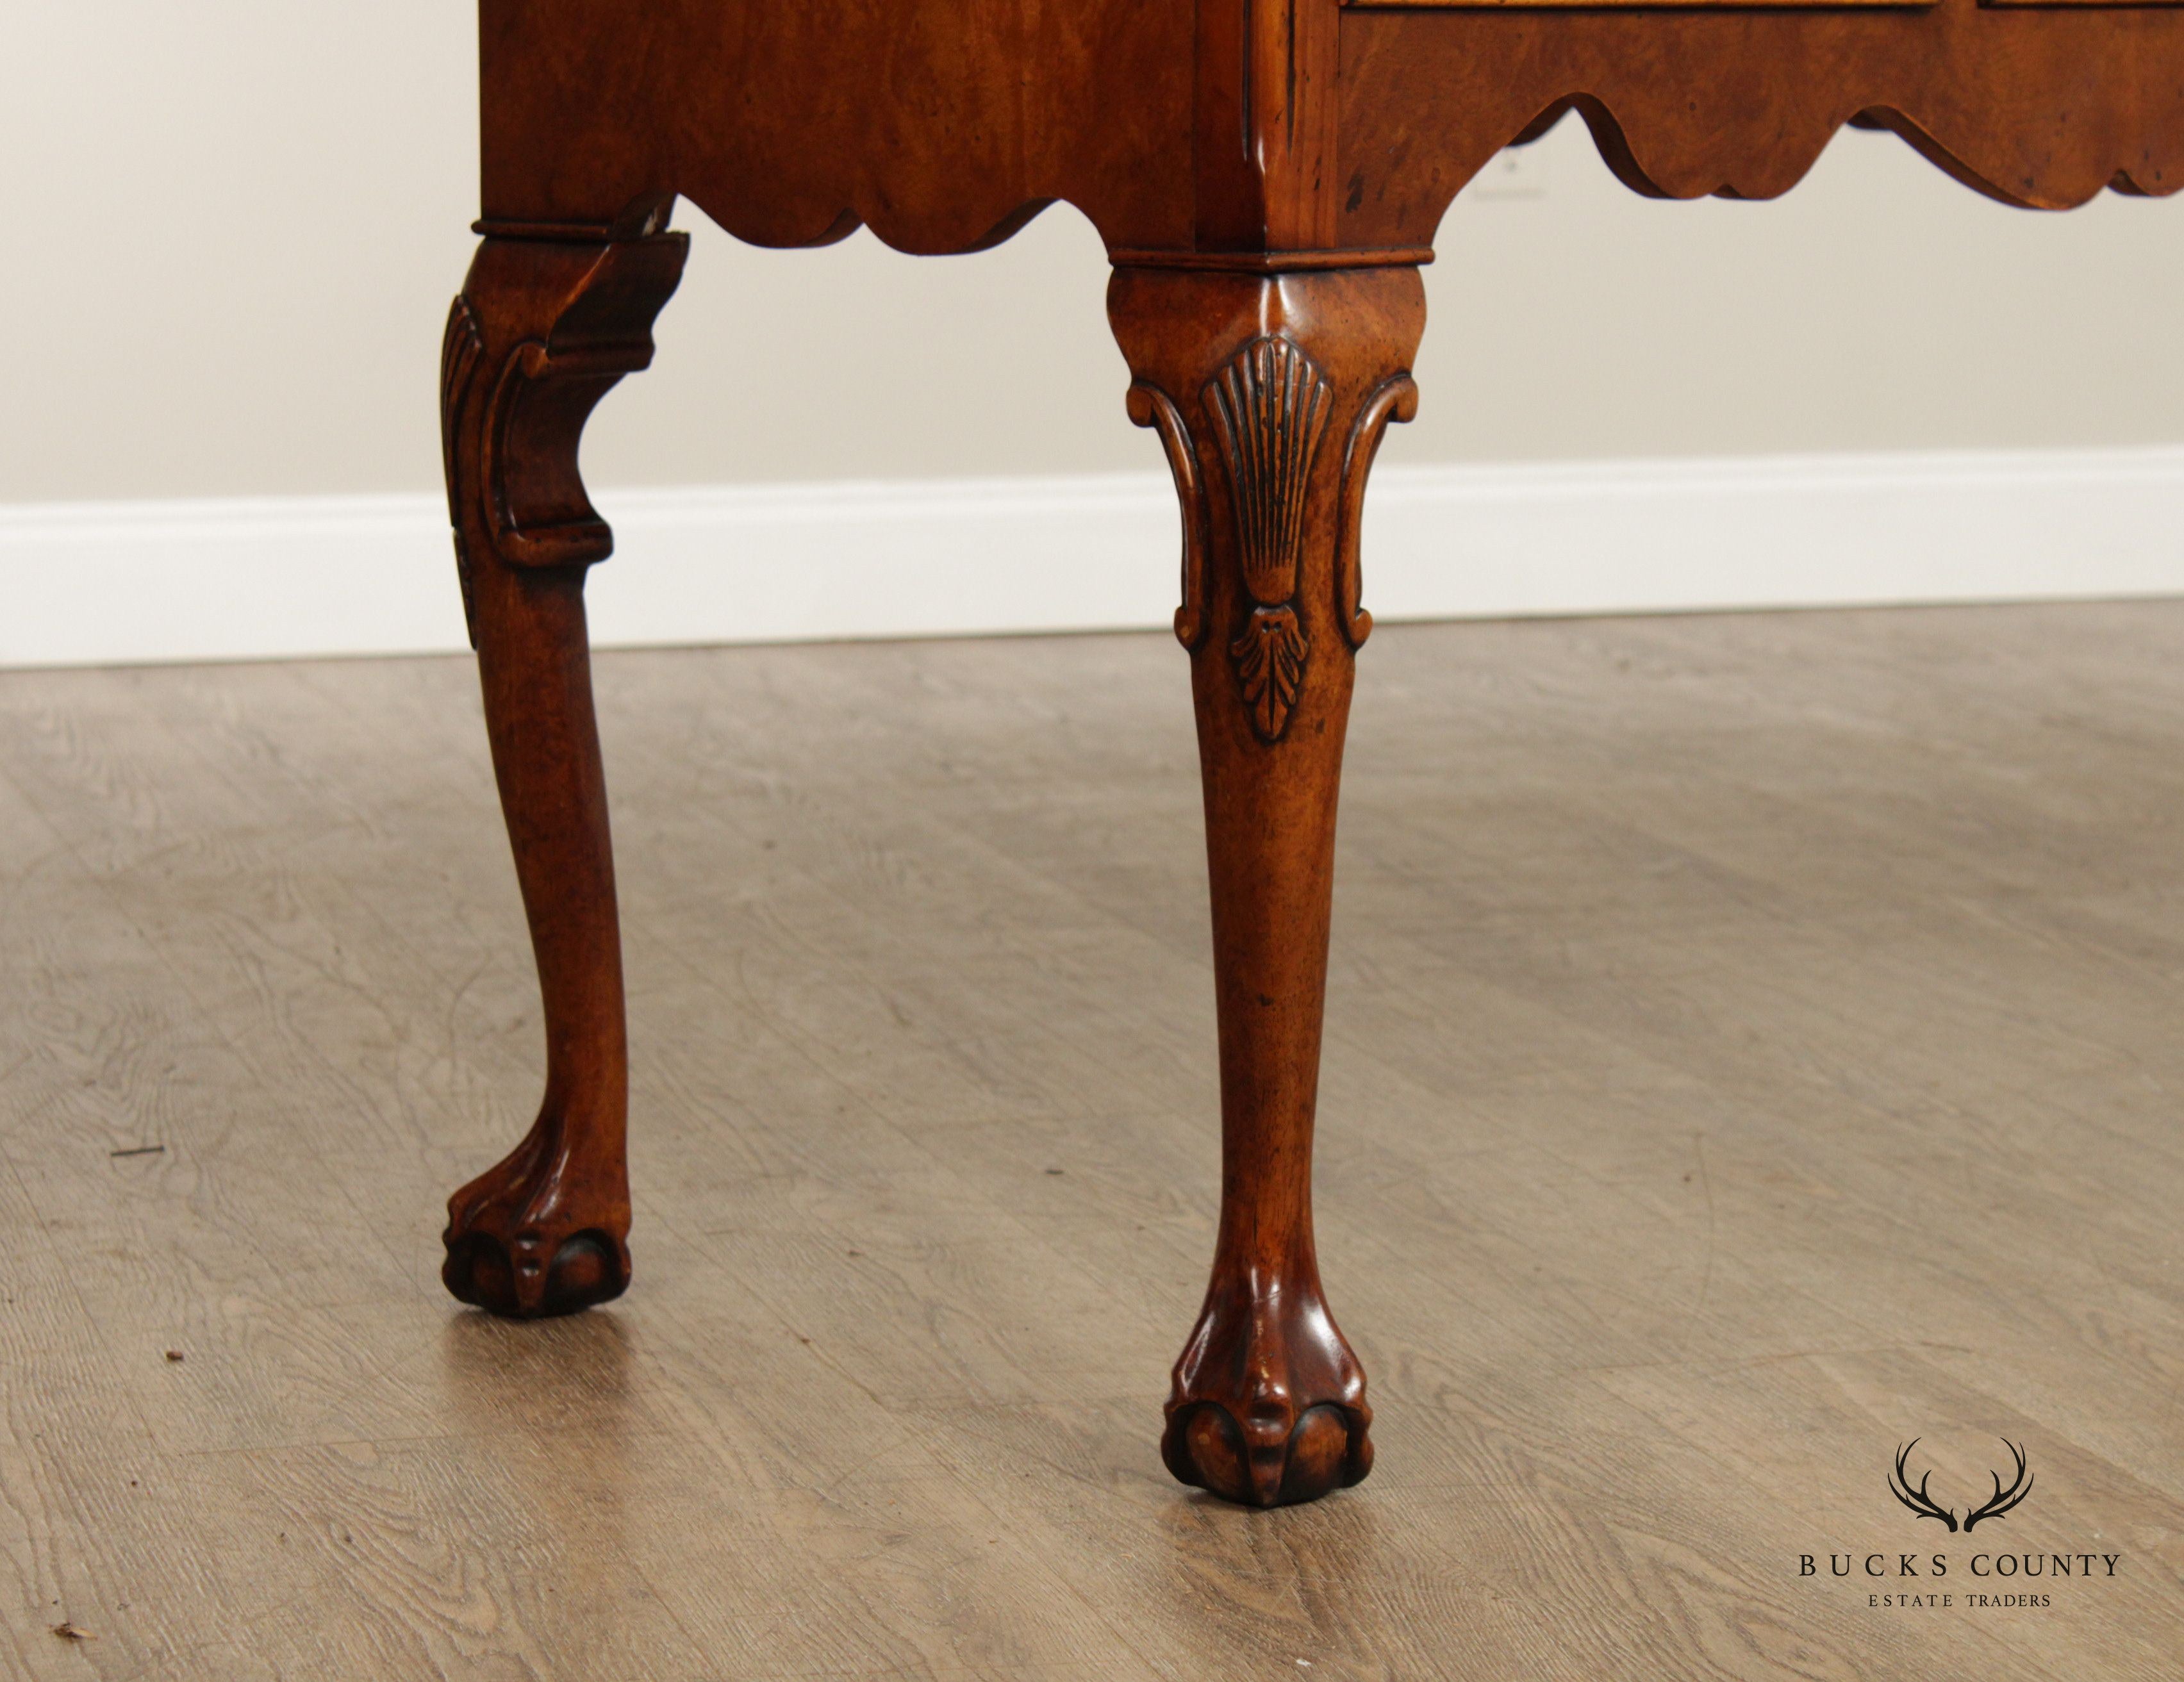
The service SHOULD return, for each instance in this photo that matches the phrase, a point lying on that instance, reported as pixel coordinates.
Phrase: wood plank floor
(1754, 1042)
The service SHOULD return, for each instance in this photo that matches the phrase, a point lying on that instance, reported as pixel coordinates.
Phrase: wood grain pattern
(542, 331)
(1259, 126)
(1752, 1044)
(971, 115)
(2039, 108)
(1269, 1403)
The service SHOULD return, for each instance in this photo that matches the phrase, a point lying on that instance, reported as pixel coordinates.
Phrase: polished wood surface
(539, 335)
(1257, 124)
(2034, 106)
(1752, 1044)
(1267, 175)
(1270, 392)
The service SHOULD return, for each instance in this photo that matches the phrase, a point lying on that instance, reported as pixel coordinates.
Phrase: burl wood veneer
(1268, 176)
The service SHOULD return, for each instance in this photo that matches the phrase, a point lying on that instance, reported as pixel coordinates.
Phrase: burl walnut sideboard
(1268, 176)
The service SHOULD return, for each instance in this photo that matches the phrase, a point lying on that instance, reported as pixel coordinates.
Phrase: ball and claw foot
(1267, 1462)
(533, 1236)
(1268, 1407)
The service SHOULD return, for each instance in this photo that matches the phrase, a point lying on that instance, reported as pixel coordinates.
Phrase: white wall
(234, 226)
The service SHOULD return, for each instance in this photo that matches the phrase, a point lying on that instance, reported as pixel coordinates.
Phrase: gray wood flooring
(1754, 1042)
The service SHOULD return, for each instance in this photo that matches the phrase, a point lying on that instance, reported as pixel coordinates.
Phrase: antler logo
(1899, 1485)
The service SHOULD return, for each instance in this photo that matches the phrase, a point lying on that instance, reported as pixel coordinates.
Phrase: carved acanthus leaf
(1270, 659)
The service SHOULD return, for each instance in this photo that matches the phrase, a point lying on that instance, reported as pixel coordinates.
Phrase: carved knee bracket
(540, 331)
(1249, 379)
(1270, 392)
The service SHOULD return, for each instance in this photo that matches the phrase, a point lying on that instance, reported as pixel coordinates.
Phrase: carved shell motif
(1271, 406)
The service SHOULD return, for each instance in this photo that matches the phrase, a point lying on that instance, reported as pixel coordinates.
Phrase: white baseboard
(136, 582)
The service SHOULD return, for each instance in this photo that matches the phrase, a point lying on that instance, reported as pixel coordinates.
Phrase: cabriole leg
(1270, 392)
(542, 331)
